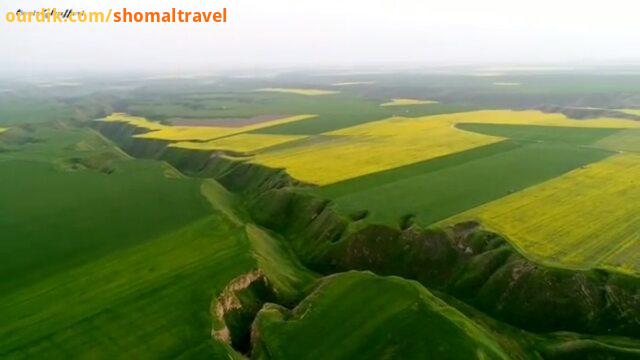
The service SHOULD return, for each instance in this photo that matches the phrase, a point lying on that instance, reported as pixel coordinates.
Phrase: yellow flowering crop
(193, 133)
(586, 218)
(372, 147)
(245, 143)
(136, 121)
(531, 117)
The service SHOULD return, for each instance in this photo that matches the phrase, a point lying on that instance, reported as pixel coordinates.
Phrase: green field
(565, 135)
(436, 189)
(627, 141)
(64, 213)
(150, 300)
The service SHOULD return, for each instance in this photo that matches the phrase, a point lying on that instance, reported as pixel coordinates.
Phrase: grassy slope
(280, 265)
(274, 257)
(151, 300)
(387, 318)
(460, 182)
(88, 213)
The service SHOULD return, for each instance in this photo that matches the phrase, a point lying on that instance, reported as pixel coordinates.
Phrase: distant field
(224, 122)
(353, 83)
(137, 121)
(160, 131)
(627, 140)
(346, 112)
(334, 111)
(631, 111)
(566, 135)
(244, 143)
(360, 315)
(586, 218)
(15, 110)
(306, 92)
(407, 102)
(530, 117)
(434, 190)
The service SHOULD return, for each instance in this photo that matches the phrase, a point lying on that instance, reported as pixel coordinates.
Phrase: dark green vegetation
(434, 190)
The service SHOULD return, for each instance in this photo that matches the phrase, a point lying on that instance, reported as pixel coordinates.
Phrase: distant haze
(268, 33)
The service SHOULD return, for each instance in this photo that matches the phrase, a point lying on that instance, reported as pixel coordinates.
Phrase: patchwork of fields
(382, 145)
(430, 168)
(436, 189)
(108, 256)
(372, 147)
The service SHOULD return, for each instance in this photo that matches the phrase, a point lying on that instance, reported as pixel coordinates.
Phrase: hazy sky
(331, 32)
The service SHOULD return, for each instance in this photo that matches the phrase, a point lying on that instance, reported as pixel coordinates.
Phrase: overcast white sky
(330, 32)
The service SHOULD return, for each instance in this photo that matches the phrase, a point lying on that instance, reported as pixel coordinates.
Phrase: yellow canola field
(372, 147)
(194, 133)
(405, 102)
(245, 143)
(136, 121)
(586, 218)
(306, 92)
(530, 117)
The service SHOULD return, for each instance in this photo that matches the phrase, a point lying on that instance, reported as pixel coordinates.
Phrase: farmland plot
(587, 218)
